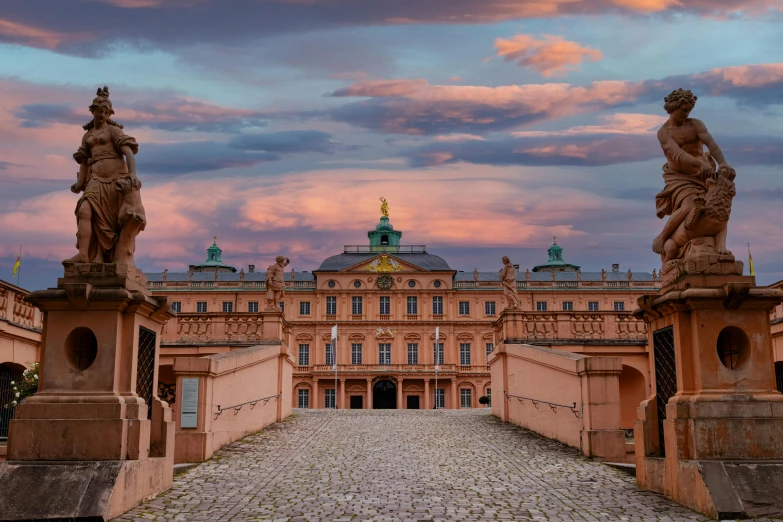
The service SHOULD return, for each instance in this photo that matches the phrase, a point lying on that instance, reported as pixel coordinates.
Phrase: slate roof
(223, 276)
(559, 276)
(342, 261)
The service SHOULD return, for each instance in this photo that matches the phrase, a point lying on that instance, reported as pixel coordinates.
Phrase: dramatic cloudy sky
(489, 125)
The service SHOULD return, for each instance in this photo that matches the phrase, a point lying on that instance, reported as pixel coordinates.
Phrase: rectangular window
(304, 355)
(619, 306)
(384, 353)
(413, 305)
(489, 308)
(329, 354)
(464, 308)
(541, 306)
(592, 306)
(437, 353)
(281, 304)
(252, 306)
(440, 398)
(304, 308)
(356, 305)
(465, 399)
(489, 396)
(490, 347)
(330, 399)
(228, 307)
(304, 399)
(464, 354)
(201, 307)
(356, 353)
(568, 306)
(437, 305)
(331, 305)
(385, 305)
(176, 306)
(413, 353)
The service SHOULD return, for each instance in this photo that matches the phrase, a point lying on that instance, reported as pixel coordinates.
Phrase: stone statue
(384, 207)
(699, 188)
(475, 274)
(293, 275)
(275, 282)
(109, 214)
(508, 278)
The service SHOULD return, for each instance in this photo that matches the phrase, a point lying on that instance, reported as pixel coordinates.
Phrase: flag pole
(334, 362)
(19, 270)
(437, 360)
(750, 262)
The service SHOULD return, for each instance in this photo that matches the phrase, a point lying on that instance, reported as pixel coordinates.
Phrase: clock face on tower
(385, 282)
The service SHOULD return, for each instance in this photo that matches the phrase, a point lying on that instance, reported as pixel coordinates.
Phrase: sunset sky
(489, 125)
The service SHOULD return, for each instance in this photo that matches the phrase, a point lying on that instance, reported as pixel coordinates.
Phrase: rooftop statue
(275, 282)
(384, 207)
(697, 195)
(508, 278)
(109, 214)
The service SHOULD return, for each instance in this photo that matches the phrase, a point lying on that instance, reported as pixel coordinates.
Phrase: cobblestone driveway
(402, 465)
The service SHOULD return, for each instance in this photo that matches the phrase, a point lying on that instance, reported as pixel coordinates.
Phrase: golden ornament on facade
(384, 264)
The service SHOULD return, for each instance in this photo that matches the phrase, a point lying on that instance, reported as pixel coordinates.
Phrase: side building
(387, 300)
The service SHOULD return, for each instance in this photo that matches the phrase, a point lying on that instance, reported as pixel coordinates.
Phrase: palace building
(387, 299)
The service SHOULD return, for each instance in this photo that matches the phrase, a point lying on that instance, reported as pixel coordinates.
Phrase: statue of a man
(384, 207)
(508, 278)
(275, 282)
(688, 167)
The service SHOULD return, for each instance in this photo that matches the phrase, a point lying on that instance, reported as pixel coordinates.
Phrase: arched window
(384, 239)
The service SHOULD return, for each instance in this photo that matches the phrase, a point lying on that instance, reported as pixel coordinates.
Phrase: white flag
(334, 332)
(437, 352)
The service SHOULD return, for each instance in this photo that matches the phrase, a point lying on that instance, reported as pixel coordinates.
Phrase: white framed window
(619, 306)
(331, 305)
(281, 304)
(201, 307)
(356, 353)
(413, 353)
(329, 354)
(252, 306)
(568, 306)
(385, 305)
(592, 306)
(464, 354)
(437, 305)
(440, 397)
(228, 307)
(490, 347)
(356, 305)
(304, 355)
(466, 398)
(330, 399)
(304, 308)
(489, 396)
(304, 398)
(437, 351)
(176, 306)
(541, 306)
(464, 308)
(413, 305)
(384, 353)
(489, 308)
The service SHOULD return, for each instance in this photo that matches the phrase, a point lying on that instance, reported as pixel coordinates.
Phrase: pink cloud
(383, 88)
(759, 75)
(622, 123)
(550, 55)
(23, 34)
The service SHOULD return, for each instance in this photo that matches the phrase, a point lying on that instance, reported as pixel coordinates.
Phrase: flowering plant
(24, 388)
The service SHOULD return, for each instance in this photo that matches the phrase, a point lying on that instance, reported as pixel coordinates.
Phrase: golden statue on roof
(384, 207)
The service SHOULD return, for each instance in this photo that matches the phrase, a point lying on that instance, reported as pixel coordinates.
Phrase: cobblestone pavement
(402, 465)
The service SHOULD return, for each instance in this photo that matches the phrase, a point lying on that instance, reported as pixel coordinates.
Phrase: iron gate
(145, 367)
(779, 376)
(665, 375)
(7, 375)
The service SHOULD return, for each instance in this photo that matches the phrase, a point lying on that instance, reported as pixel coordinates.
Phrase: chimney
(615, 267)
(251, 268)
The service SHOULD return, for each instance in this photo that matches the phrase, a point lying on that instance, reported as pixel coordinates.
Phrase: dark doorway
(413, 402)
(356, 402)
(384, 396)
(8, 373)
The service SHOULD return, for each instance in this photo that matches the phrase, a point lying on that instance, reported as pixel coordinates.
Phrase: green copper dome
(214, 260)
(555, 262)
(384, 235)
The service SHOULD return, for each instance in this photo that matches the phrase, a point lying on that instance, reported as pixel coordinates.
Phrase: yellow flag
(17, 264)
(750, 261)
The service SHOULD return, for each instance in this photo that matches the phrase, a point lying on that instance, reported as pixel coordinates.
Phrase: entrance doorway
(356, 402)
(413, 402)
(384, 395)
(8, 373)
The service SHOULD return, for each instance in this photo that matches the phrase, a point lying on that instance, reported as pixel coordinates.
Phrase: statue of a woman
(109, 214)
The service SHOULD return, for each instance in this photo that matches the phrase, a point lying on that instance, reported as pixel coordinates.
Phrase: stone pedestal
(510, 327)
(96, 412)
(710, 437)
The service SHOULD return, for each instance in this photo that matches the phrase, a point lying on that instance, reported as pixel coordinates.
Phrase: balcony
(357, 317)
(411, 317)
(384, 317)
(327, 369)
(399, 249)
(437, 317)
(331, 317)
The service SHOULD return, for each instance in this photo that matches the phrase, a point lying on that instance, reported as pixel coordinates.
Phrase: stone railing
(14, 309)
(233, 328)
(579, 326)
(382, 368)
